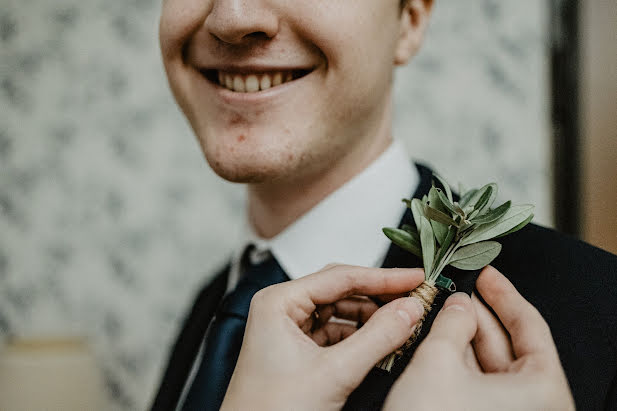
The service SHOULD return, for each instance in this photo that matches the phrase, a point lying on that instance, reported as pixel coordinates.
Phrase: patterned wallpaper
(110, 218)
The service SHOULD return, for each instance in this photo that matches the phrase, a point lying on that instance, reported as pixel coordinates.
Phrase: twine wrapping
(426, 294)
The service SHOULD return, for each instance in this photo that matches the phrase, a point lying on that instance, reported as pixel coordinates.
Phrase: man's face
(276, 89)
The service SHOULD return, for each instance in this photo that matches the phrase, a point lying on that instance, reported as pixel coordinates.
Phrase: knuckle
(257, 301)
(330, 266)
(348, 280)
(263, 297)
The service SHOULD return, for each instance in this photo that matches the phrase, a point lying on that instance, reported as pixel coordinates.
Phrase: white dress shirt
(344, 227)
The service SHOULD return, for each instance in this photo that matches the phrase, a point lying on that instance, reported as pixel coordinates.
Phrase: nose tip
(235, 21)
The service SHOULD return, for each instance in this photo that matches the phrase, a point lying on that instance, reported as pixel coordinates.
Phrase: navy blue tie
(224, 338)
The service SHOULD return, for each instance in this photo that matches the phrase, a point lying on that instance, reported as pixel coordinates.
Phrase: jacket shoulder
(551, 266)
(556, 261)
(574, 286)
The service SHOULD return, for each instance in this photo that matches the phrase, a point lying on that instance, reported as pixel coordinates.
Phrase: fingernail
(457, 301)
(404, 316)
(455, 307)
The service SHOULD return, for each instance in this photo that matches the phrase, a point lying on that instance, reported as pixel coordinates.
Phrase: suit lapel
(372, 392)
(188, 342)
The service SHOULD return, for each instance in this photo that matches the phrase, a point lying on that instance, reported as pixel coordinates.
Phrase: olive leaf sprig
(455, 233)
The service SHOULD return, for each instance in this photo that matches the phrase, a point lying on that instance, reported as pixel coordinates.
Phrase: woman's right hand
(469, 360)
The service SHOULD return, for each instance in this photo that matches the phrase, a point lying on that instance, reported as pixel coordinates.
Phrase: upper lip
(252, 69)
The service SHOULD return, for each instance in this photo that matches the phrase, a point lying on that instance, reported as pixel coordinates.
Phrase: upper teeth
(250, 83)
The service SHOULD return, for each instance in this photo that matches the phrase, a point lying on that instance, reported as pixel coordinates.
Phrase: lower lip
(265, 96)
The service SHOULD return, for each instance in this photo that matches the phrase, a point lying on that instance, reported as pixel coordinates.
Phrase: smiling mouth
(252, 82)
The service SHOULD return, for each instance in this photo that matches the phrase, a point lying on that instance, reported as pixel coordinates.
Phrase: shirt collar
(345, 227)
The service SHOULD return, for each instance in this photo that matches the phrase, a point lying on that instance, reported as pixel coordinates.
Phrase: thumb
(456, 323)
(384, 332)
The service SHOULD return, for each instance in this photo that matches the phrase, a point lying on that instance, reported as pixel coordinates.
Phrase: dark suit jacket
(572, 284)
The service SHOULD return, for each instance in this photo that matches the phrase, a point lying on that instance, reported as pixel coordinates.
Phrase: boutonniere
(455, 233)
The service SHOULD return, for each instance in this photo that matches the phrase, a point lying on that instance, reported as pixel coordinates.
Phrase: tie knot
(256, 255)
(253, 278)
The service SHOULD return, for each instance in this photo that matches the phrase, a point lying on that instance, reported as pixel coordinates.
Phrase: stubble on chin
(247, 168)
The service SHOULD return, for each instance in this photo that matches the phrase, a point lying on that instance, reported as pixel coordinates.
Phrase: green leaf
(479, 200)
(494, 214)
(475, 256)
(484, 199)
(417, 210)
(511, 219)
(466, 197)
(446, 244)
(427, 239)
(434, 201)
(491, 199)
(438, 216)
(458, 209)
(445, 185)
(404, 240)
(450, 206)
(437, 211)
(411, 230)
(461, 189)
(518, 227)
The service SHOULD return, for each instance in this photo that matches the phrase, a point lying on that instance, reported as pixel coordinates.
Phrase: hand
(515, 368)
(294, 359)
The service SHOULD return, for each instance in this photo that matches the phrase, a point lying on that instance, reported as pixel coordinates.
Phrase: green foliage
(405, 240)
(475, 256)
(454, 233)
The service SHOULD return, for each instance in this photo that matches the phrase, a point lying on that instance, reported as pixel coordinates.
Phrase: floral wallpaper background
(109, 217)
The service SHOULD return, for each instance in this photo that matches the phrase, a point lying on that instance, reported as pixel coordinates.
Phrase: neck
(273, 206)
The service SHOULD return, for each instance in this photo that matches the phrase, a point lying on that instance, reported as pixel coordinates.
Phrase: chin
(248, 169)
(242, 155)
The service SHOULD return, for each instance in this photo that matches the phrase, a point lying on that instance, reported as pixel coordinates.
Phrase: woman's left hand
(293, 357)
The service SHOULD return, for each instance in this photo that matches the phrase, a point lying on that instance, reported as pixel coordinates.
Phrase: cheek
(179, 20)
(359, 46)
(356, 32)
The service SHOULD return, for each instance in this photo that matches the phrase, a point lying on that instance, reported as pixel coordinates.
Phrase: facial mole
(235, 119)
(241, 138)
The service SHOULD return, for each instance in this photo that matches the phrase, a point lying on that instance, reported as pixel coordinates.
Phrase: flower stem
(426, 293)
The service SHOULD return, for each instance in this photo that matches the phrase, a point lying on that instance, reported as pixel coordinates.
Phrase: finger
(354, 309)
(341, 281)
(383, 333)
(455, 324)
(492, 344)
(528, 331)
(386, 298)
(471, 360)
(332, 333)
